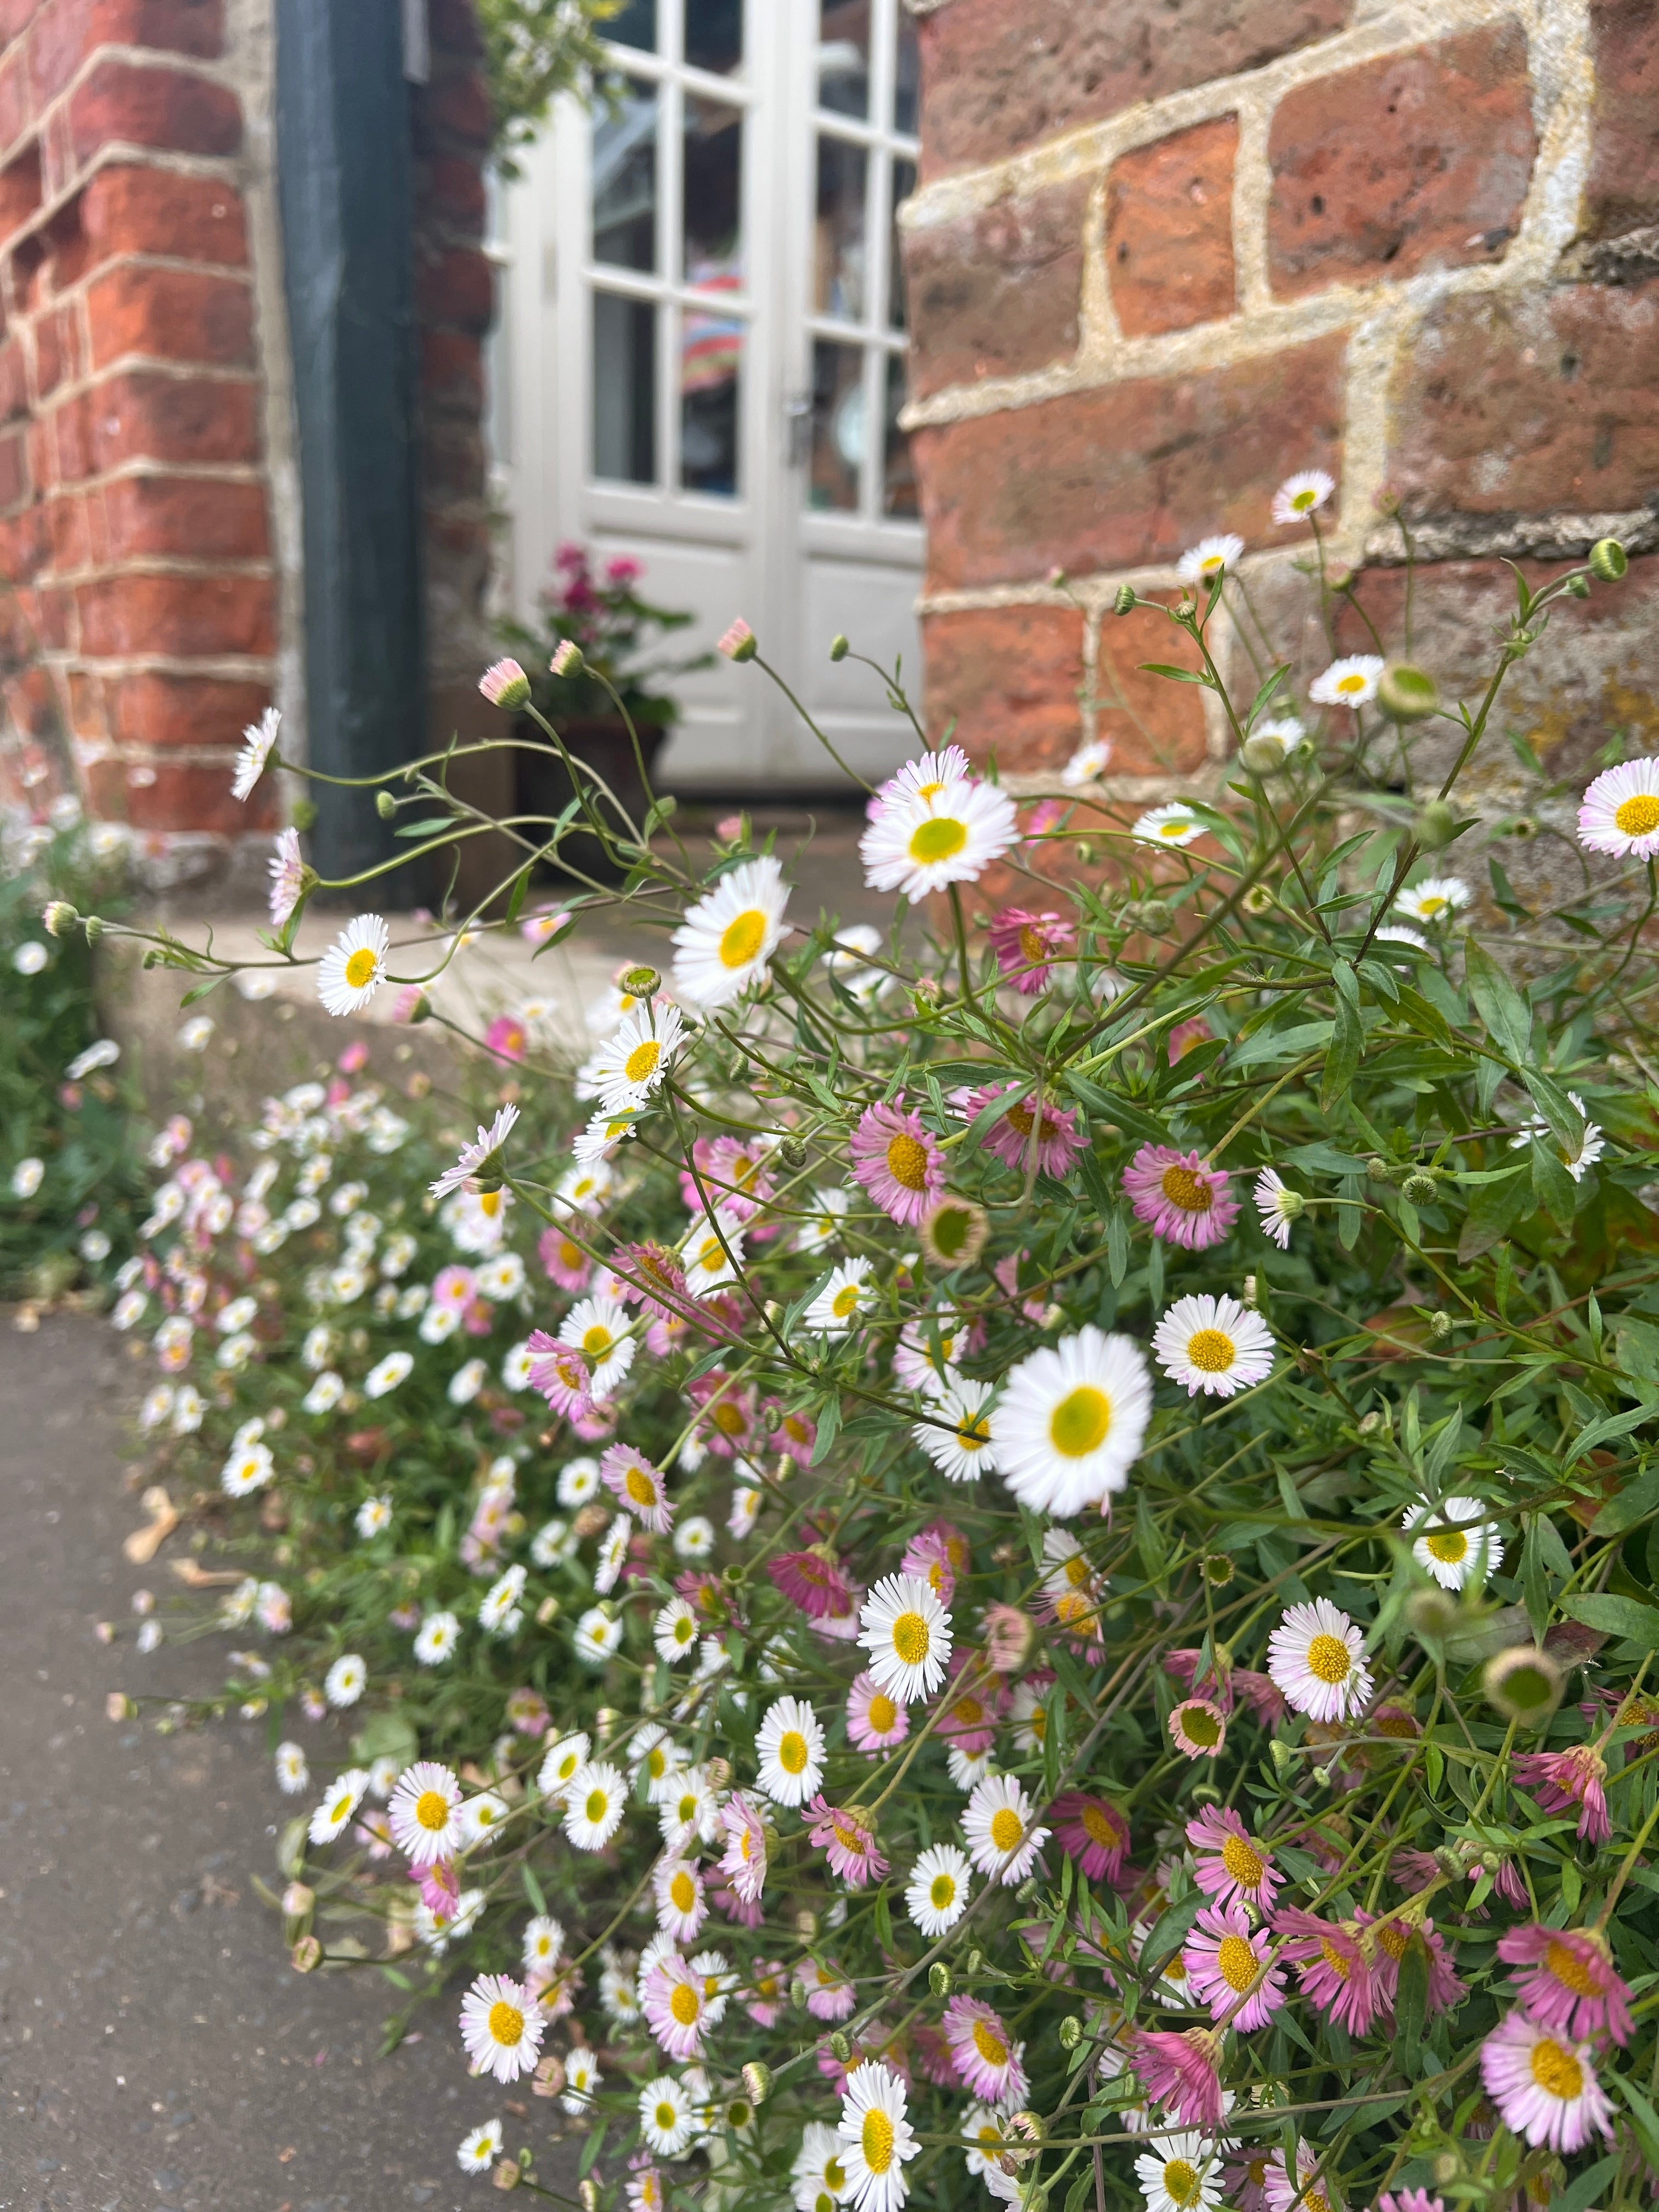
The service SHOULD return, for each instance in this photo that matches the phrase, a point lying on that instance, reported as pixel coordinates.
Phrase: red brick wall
(1167, 251)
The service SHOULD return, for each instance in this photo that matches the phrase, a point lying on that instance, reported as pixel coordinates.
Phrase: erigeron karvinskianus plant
(1167, 1718)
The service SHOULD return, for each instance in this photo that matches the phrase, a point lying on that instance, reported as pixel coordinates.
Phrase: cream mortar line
(238, 667)
(1127, 790)
(191, 569)
(1094, 592)
(152, 365)
(237, 271)
(143, 466)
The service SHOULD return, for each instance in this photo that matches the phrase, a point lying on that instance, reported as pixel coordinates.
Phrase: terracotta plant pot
(603, 744)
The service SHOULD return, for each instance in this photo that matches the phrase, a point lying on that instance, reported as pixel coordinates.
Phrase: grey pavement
(156, 2048)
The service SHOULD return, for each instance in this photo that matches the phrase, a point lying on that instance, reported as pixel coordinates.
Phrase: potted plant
(600, 610)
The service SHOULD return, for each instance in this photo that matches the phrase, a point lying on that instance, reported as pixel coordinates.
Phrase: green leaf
(1170, 1932)
(1498, 1206)
(884, 1919)
(1567, 1122)
(1506, 1014)
(1632, 1503)
(1554, 1187)
(1583, 2192)
(1343, 1058)
(1117, 1246)
(532, 1888)
(1604, 1432)
(1175, 675)
(424, 828)
(1410, 2004)
(591, 2149)
(516, 897)
(1616, 1616)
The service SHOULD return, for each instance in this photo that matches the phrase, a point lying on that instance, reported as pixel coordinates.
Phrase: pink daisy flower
(650, 1276)
(1198, 1728)
(1232, 1865)
(987, 2060)
(1409, 2200)
(875, 1720)
(1181, 2071)
(453, 1286)
(1245, 2182)
(1331, 1967)
(1185, 1034)
(971, 1704)
(1008, 1633)
(1568, 1984)
(1025, 944)
(1091, 1832)
(440, 1886)
(791, 1432)
(1223, 1958)
(737, 1171)
(634, 1482)
(566, 1262)
(561, 1376)
(744, 1863)
(849, 1835)
(897, 1160)
(767, 1994)
(813, 1581)
(731, 1421)
(1215, 1682)
(738, 1909)
(1544, 2088)
(1309, 2192)
(1058, 1139)
(676, 2006)
(936, 1555)
(1393, 1940)
(507, 1037)
(932, 2056)
(829, 1993)
(1562, 1779)
(1180, 1196)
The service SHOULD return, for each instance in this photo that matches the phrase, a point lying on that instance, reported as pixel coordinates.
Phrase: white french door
(700, 360)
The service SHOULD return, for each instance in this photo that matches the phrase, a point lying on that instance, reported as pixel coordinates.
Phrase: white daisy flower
(694, 1539)
(1436, 898)
(918, 843)
(292, 1772)
(436, 1639)
(879, 2139)
(246, 1470)
(498, 1612)
(563, 1761)
(826, 1210)
(1316, 1656)
(1283, 731)
(967, 1769)
(957, 1433)
(666, 2121)
(687, 1808)
(373, 1515)
(499, 1279)
(1619, 812)
(1394, 933)
(502, 2027)
(1349, 682)
(713, 1252)
(907, 1632)
(629, 1067)
(838, 1304)
(1070, 1420)
(30, 957)
(258, 739)
(1173, 824)
(480, 2150)
(338, 1806)
(612, 1555)
(1087, 765)
(1179, 2173)
(595, 1799)
(1213, 1344)
(188, 1410)
(480, 1817)
(1000, 1825)
(324, 1394)
(387, 1374)
(516, 1363)
(345, 1681)
(354, 967)
(1211, 557)
(1580, 1162)
(936, 1896)
(598, 1330)
(596, 1636)
(789, 1743)
(727, 939)
(579, 1480)
(682, 1905)
(287, 880)
(466, 1381)
(1301, 495)
(544, 1943)
(423, 1812)
(1278, 1206)
(818, 2180)
(1454, 1542)
(472, 1158)
(674, 1632)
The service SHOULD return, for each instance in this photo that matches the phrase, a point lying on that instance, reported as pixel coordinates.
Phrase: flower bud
(1262, 756)
(116, 1707)
(757, 2080)
(59, 917)
(548, 2080)
(840, 2045)
(94, 925)
(298, 1899)
(605, 1723)
(385, 805)
(588, 2194)
(505, 2173)
(566, 659)
(1440, 1324)
(1433, 1616)
(1446, 2168)
(547, 1613)
(798, 1994)
(506, 686)
(306, 1955)
(807, 1924)
(1279, 1752)
(1608, 560)
(839, 648)
(1523, 1685)
(1579, 587)
(642, 982)
(1249, 1292)
(1406, 694)
(793, 1152)
(1370, 1422)
(1418, 1189)
(1258, 899)
(976, 1965)
(739, 642)
(1123, 599)
(1436, 826)
(1218, 1569)
(1071, 2031)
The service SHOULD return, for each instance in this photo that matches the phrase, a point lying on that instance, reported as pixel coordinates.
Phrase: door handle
(798, 428)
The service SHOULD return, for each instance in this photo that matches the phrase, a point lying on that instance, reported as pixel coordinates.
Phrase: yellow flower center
(1032, 945)
(792, 1753)
(742, 939)
(1199, 1726)
(967, 1713)
(1317, 2201)
(883, 1712)
(667, 2118)
(1098, 1823)
(341, 1807)
(1180, 2182)
(907, 1161)
(1237, 1962)
(910, 1638)
(973, 1434)
(1638, 817)
(1006, 1828)
(1432, 906)
(1570, 1970)
(683, 1892)
(730, 1420)
(942, 1892)
(1081, 1422)
(596, 1341)
(989, 2044)
(1447, 1544)
(596, 1804)
(940, 838)
(432, 1811)
(875, 2140)
(1555, 2070)
(1330, 1659)
(1242, 1862)
(1395, 1938)
(1212, 1351)
(1186, 1188)
(684, 2004)
(1302, 502)
(1338, 1961)
(505, 2023)
(360, 969)
(641, 1062)
(1350, 683)
(845, 1301)
(1174, 831)
(639, 1487)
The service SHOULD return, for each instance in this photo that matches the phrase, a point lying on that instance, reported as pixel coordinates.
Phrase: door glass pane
(713, 170)
(837, 426)
(904, 183)
(711, 362)
(625, 181)
(713, 35)
(907, 77)
(838, 239)
(636, 25)
(624, 389)
(898, 476)
(844, 57)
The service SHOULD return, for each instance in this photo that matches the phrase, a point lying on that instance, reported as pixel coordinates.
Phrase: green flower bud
(1262, 756)
(1579, 587)
(840, 2045)
(1436, 826)
(385, 805)
(757, 2080)
(1123, 600)
(1418, 1189)
(1523, 1685)
(839, 648)
(793, 1152)
(939, 1979)
(1071, 2031)
(1280, 1752)
(1608, 560)
(1408, 694)
(1440, 1324)
(642, 982)
(306, 1955)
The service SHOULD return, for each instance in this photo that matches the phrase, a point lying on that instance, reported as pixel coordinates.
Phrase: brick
(16, 108)
(19, 191)
(128, 208)
(1530, 403)
(454, 194)
(180, 616)
(170, 314)
(71, 537)
(1621, 192)
(147, 415)
(452, 371)
(43, 441)
(14, 469)
(67, 31)
(86, 705)
(997, 78)
(456, 104)
(1129, 474)
(1421, 161)
(453, 462)
(14, 384)
(995, 292)
(194, 518)
(160, 710)
(155, 106)
(1170, 230)
(56, 152)
(456, 287)
(164, 795)
(48, 357)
